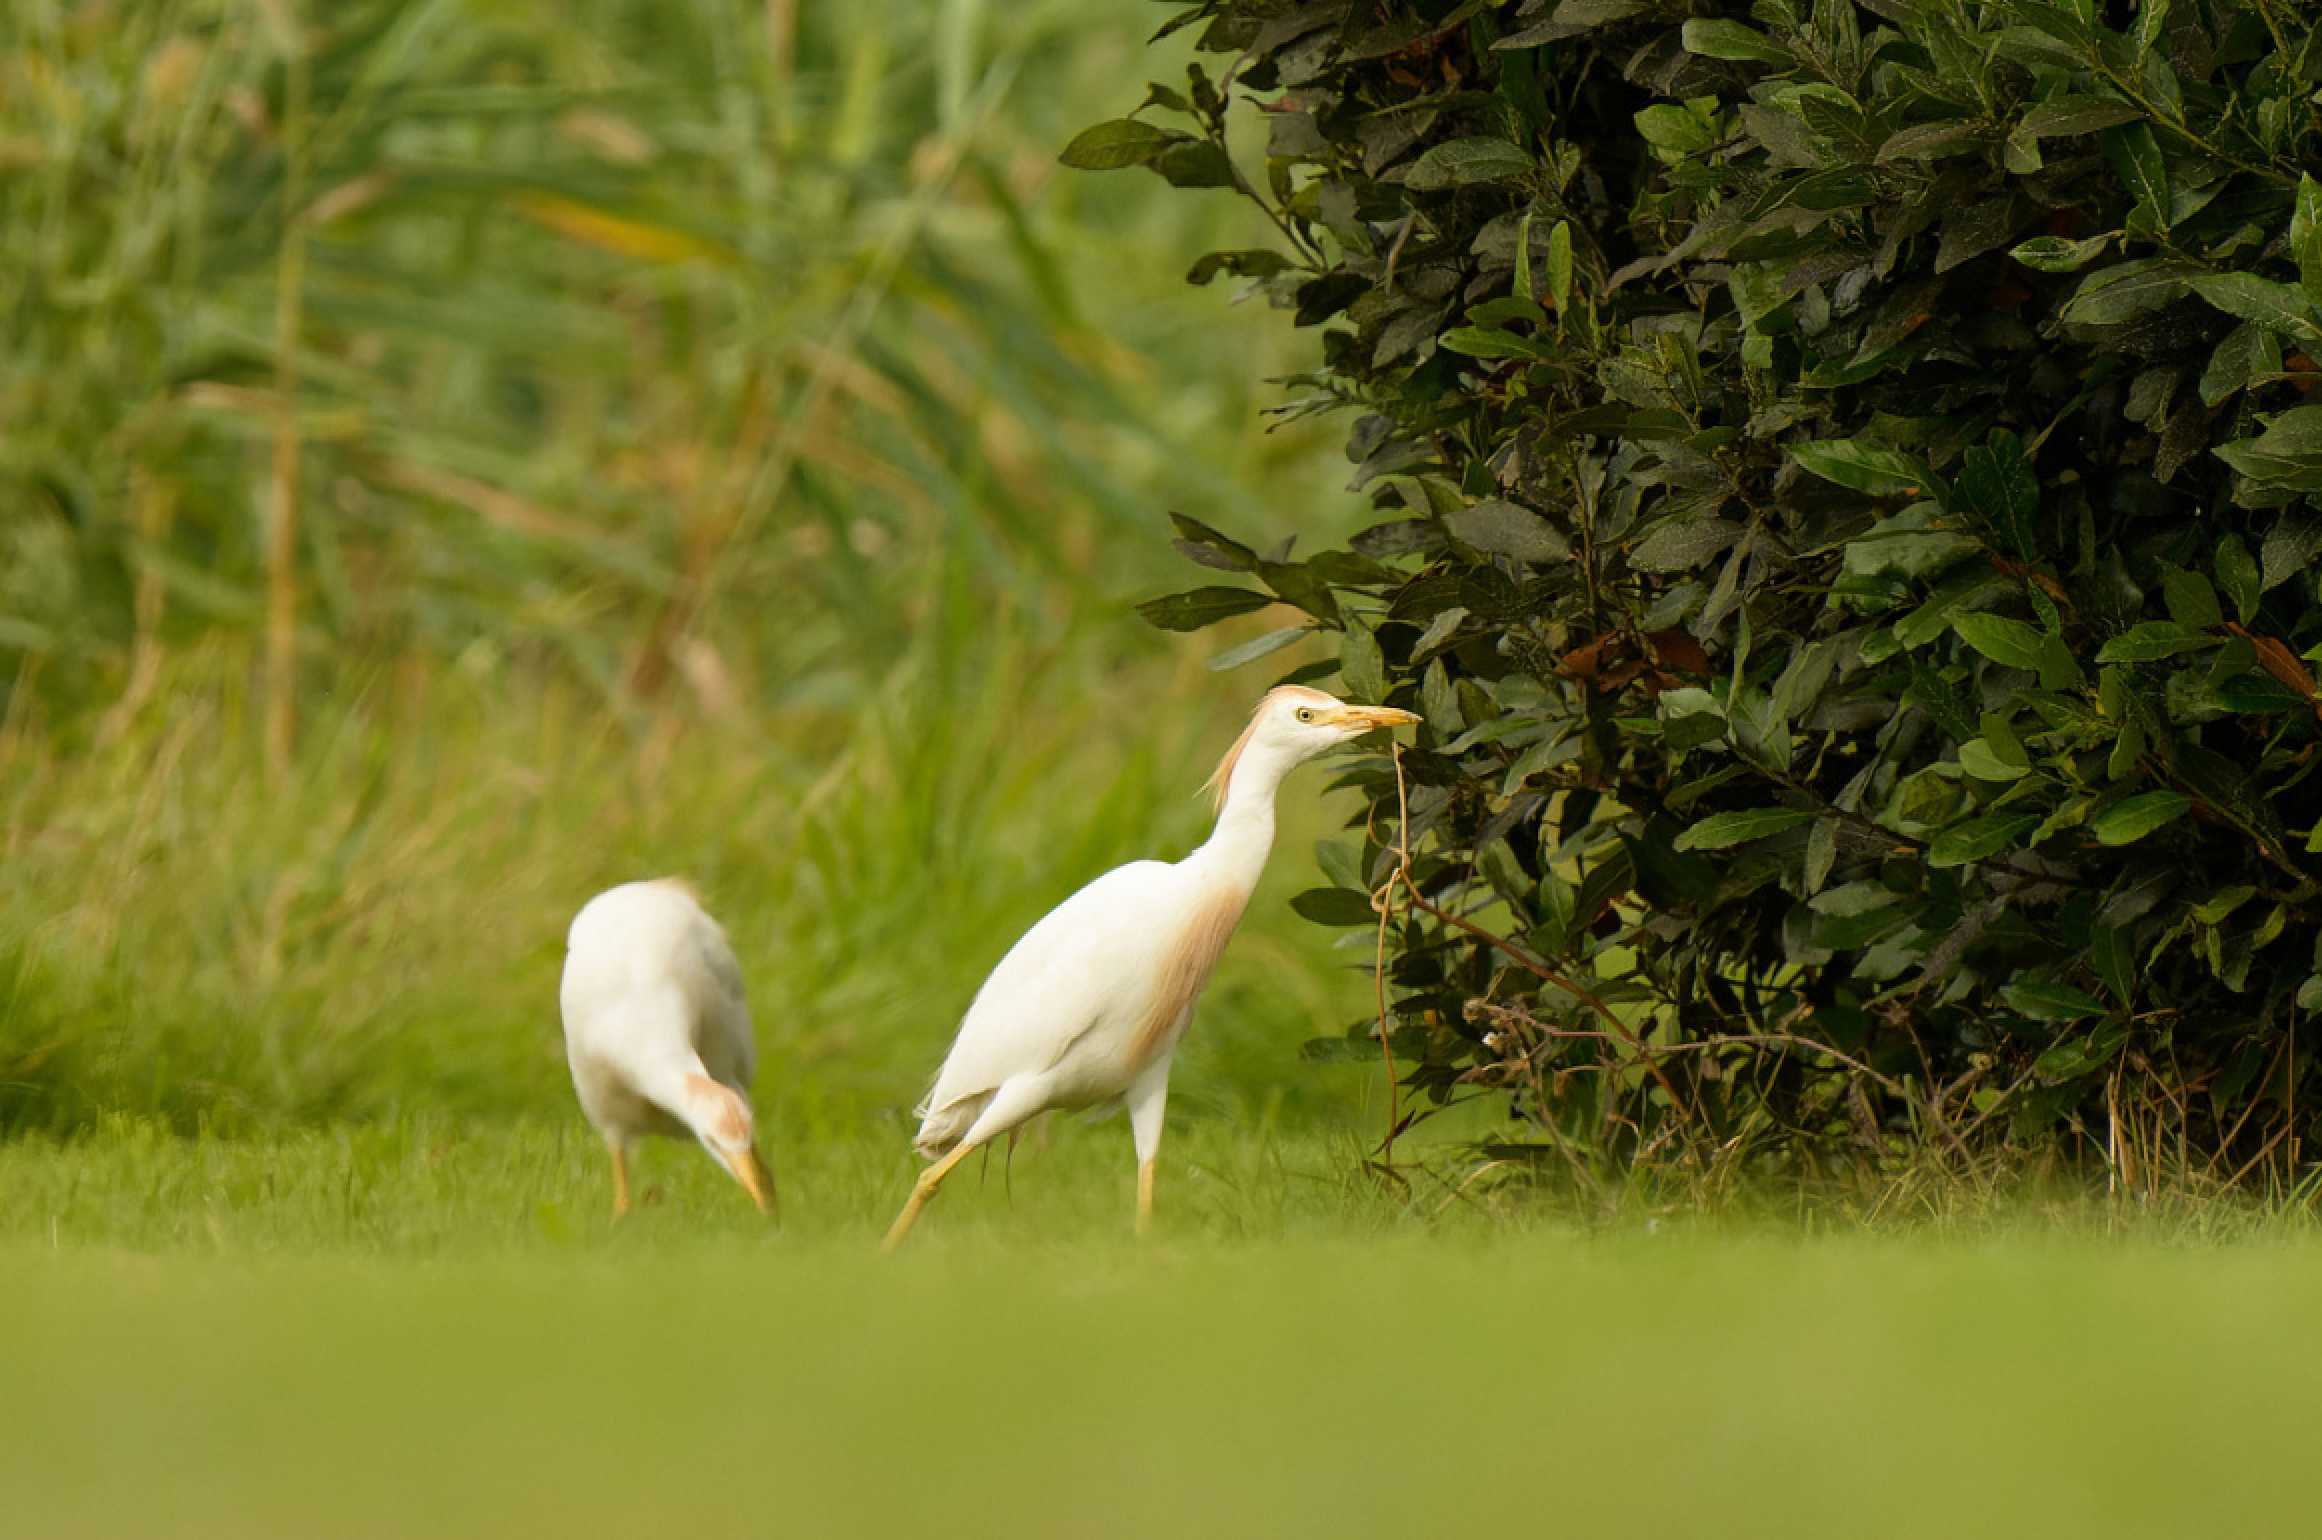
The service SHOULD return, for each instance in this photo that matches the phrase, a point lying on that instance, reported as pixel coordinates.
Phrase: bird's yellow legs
(756, 1179)
(1144, 1196)
(921, 1191)
(620, 1182)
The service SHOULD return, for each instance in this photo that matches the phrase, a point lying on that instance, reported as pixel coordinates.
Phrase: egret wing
(1088, 958)
(723, 1037)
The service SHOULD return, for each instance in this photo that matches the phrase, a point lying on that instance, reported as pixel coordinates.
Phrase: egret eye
(1305, 713)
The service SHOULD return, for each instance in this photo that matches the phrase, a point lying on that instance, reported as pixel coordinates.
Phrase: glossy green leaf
(2237, 574)
(2053, 254)
(1559, 266)
(1259, 647)
(2126, 290)
(2066, 116)
(2306, 236)
(2192, 602)
(1488, 342)
(2292, 546)
(2109, 951)
(1194, 163)
(2000, 639)
(1500, 528)
(2278, 307)
(2247, 353)
(1979, 759)
(1199, 607)
(1206, 546)
(1334, 906)
(1997, 484)
(1466, 162)
(1112, 146)
(1979, 839)
(1864, 467)
(2135, 156)
(2149, 640)
(1360, 664)
(2132, 818)
(2049, 1001)
(1247, 264)
(1674, 130)
(1720, 831)
(1717, 39)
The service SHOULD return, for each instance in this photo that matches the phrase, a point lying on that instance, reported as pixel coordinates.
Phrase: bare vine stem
(1573, 987)
(1383, 904)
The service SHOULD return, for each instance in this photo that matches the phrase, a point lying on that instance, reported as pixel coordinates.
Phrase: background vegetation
(714, 438)
(1847, 499)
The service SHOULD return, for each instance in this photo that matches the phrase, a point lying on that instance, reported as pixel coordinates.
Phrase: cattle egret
(657, 1032)
(1090, 1003)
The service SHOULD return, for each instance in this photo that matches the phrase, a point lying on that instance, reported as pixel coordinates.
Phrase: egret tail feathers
(942, 1127)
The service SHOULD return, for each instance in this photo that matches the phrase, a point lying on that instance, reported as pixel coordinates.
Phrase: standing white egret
(657, 1032)
(1089, 1004)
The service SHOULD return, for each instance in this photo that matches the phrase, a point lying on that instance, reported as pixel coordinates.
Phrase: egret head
(1293, 724)
(721, 1119)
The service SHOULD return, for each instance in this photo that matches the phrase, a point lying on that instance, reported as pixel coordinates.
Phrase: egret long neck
(1237, 848)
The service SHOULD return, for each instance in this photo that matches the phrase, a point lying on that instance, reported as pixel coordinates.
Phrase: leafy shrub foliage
(1846, 489)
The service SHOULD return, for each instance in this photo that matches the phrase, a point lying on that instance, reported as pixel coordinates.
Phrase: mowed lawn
(430, 1331)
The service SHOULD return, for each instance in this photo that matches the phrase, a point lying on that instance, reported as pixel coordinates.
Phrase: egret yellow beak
(756, 1180)
(1367, 717)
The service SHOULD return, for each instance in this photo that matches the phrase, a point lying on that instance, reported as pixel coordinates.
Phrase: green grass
(439, 1187)
(433, 1329)
(381, 936)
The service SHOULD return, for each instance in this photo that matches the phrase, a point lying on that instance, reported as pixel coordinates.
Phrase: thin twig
(1722, 1040)
(1541, 970)
(1383, 903)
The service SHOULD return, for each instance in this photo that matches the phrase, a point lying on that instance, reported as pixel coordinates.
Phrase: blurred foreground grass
(428, 1326)
(698, 1374)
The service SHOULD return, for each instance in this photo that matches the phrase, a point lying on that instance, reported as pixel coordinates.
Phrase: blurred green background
(720, 439)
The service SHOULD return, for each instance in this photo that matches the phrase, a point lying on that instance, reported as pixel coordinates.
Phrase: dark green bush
(1846, 492)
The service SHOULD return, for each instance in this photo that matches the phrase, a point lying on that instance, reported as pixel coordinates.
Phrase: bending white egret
(657, 1032)
(1090, 1003)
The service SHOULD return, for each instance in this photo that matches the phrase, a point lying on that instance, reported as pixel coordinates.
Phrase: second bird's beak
(751, 1172)
(1368, 717)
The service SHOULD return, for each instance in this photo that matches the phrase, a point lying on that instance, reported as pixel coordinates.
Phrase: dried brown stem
(1383, 901)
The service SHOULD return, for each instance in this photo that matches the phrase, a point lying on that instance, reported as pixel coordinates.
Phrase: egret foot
(921, 1191)
(1144, 1196)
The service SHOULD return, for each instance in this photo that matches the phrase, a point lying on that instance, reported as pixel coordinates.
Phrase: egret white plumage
(1090, 1003)
(657, 1031)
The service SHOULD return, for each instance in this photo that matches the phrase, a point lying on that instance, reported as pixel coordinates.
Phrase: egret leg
(1009, 1105)
(620, 1180)
(1148, 1103)
(922, 1190)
